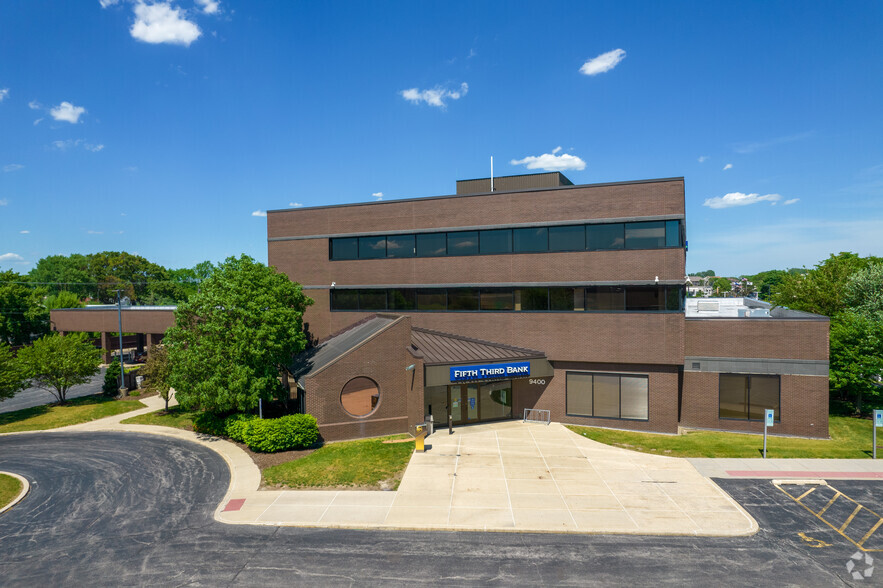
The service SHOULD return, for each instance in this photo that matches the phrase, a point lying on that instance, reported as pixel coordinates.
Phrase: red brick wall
(383, 359)
(804, 406)
(772, 338)
(663, 396)
(134, 321)
(578, 202)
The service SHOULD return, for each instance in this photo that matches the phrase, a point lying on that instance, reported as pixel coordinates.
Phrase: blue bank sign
(520, 369)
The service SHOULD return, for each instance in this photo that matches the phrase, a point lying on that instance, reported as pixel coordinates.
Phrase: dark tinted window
(372, 299)
(435, 299)
(463, 243)
(572, 238)
(674, 298)
(401, 299)
(645, 235)
(497, 299)
(534, 298)
(733, 396)
(605, 298)
(644, 298)
(529, 240)
(345, 248)
(496, 241)
(431, 244)
(344, 300)
(564, 299)
(372, 247)
(599, 237)
(463, 299)
(400, 246)
(672, 233)
(763, 393)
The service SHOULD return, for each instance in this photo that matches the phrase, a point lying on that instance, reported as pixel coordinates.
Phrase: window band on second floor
(661, 234)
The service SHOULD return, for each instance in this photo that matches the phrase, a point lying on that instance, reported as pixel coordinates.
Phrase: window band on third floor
(661, 234)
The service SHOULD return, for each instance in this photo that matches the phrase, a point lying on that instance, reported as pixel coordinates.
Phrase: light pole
(120, 324)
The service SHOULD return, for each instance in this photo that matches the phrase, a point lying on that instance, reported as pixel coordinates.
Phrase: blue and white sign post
(878, 423)
(769, 417)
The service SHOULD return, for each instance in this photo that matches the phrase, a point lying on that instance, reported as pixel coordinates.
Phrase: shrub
(294, 431)
(236, 426)
(209, 424)
(111, 386)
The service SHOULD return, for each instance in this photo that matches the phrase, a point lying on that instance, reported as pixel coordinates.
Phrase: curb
(25, 488)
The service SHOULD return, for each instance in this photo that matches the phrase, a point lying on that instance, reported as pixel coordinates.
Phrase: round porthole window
(360, 396)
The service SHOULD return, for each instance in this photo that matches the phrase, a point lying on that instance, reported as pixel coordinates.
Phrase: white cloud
(790, 201)
(435, 96)
(11, 257)
(209, 6)
(703, 158)
(259, 213)
(38, 121)
(3, 201)
(295, 204)
(751, 147)
(34, 105)
(67, 112)
(11, 167)
(160, 23)
(94, 232)
(602, 63)
(24, 232)
(551, 161)
(106, 3)
(4, 92)
(71, 143)
(739, 199)
(378, 195)
(728, 166)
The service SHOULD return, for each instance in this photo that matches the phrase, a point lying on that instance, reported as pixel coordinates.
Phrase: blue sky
(166, 128)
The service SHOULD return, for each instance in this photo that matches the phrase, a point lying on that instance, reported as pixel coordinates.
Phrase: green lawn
(9, 489)
(367, 463)
(52, 416)
(176, 417)
(850, 438)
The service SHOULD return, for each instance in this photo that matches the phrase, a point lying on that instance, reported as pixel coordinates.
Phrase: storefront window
(746, 397)
(496, 400)
(617, 396)
(360, 396)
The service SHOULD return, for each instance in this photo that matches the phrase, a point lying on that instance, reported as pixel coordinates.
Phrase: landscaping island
(9, 488)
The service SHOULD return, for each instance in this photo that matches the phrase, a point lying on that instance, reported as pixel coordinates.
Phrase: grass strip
(175, 417)
(850, 439)
(52, 416)
(9, 489)
(365, 463)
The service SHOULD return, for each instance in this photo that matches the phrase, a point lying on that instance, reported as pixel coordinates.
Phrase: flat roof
(382, 202)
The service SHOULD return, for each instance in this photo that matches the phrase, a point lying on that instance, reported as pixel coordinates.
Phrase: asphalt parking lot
(131, 509)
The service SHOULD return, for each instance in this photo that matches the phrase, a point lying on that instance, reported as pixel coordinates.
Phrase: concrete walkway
(840, 469)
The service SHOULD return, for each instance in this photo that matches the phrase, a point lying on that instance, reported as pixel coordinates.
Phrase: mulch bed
(266, 460)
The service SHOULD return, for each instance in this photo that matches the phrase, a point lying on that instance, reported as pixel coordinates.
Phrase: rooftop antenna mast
(492, 173)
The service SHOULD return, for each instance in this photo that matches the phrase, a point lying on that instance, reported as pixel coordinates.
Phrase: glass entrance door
(471, 403)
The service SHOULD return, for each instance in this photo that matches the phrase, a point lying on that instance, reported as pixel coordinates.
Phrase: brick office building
(538, 294)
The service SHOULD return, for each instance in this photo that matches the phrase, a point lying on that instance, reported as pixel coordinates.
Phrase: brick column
(105, 344)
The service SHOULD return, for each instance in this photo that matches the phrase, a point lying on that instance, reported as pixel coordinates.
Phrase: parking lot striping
(820, 514)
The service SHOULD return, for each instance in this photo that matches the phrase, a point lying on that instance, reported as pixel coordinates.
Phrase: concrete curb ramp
(506, 477)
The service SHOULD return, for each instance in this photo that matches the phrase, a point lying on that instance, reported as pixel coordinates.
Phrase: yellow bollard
(420, 438)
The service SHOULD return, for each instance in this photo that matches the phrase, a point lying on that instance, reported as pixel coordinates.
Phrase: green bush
(209, 424)
(294, 431)
(236, 426)
(111, 386)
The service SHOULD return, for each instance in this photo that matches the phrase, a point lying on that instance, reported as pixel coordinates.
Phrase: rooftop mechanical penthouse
(540, 294)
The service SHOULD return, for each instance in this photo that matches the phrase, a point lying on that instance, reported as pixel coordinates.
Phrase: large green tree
(821, 289)
(864, 290)
(22, 313)
(56, 363)
(230, 340)
(13, 378)
(65, 272)
(856, 359)
(721, 286)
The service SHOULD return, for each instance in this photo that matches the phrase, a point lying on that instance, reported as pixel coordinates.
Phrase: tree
(156, 372)
(856, 355)
(821, 289)
(230, 341)
(55, 363)
(705, 274)
(766, 282)
(60, 272)
(12, 376)
(112, 382)
(721, 285)
(64, 299)
(864, 290)
(22, 314)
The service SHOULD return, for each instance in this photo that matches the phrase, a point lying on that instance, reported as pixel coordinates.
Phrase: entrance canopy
(452, 359)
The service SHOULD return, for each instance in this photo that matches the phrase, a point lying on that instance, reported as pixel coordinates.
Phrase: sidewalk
(840, 469)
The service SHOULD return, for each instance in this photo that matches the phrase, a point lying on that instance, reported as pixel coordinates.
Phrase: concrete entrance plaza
(512, 476)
